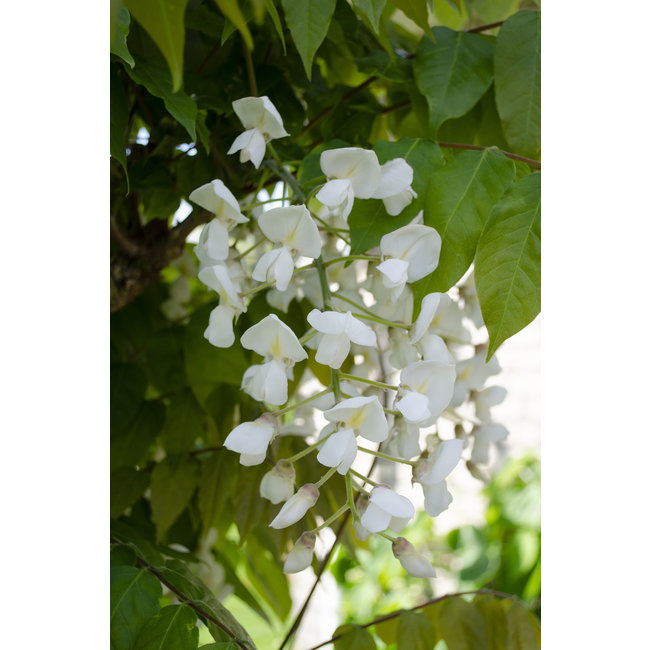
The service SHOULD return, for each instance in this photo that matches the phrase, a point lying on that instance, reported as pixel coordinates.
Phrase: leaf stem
(293, 407)
(372, 258)
(325, 478)
(379, 454)
(363, 478)
(332, 519)
(309, 335)
(371, 382)
(514, 156)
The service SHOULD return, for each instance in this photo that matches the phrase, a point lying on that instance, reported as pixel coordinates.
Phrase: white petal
(417, 566)
(327, 322)
(296, 507)
(272, 124)
(266, 383)
(217, 277)
(395, 272)
(250, 437)
(215, 197)
(359, 332)
(332, 350)
(339, 450)
(334, 192)
(252, 145)
(414, 407)
(360, 166)
(428, 310)
(248, 460)
(273, 337)
(491, 433)
(442, 462)
(436, 498)
(250, 111)
(276, 487)
(220, 331)
(493, 395)
(293, 227)
(396, 203)
(480, 452)
(396, 176)
(398, 523)
(375, 519)
(214, 237)
(435, 349)
(363, 414)
(435, 380)
(275, 266)
(394, 504)
(416, 244)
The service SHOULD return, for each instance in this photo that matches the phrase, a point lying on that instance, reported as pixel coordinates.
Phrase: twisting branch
(387, 617)
(514, 156)
(186, 599)
(484, 28)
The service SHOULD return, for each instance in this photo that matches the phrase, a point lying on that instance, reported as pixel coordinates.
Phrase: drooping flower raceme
(251, 440)
(262, 123)
(394, 187)
(351, 172)
(296, 231)
(215, 197)
(338, 331)
(411, 253)
(280, 348)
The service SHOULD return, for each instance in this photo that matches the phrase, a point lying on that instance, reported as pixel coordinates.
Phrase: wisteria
(399, 368)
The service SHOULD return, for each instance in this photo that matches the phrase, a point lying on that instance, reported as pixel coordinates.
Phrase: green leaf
(119, 120)
(523, 629)
(354, 638)
(151, 73)
(164, 354)
(207, 366)
(461, 625)
(517, 79)
(121, 31)
(277, 23)
(368, 220)
(128, 384)
(249, 507)
(163, 20)
(453, 73)
(387, 630)
(458, 203)
(173, 628)
(187, 583)
(508, 262)
(492, 11)
(496, 624)
(416, 10)
(415, 632)
(308, 22)
(218, 479)
(122, 555)
(183, 422)
(130, 447)
(230, 9)
(372, 10)
(134, 599)
(127, 486)
(172, 484)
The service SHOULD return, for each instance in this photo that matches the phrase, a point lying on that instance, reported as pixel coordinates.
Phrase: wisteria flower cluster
(362, 314)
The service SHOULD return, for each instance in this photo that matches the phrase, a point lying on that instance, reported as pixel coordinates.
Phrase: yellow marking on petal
(276, 348)
(357, 419)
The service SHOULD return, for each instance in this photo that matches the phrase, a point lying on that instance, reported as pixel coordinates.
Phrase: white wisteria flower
(296, 231)
(386, 508)
(300, 556)
(351, 172)
(425, 379)
(276, 342)
(220, 331)
(411, 252)
(431, 473)
(262, 123)
(394, 188)
(483, 437)
(277, 484)
(339, 450)
(364, 415)
(412, 562)
(472, 373)
(338, 331)
(296, 507)
(213, 244)
(485, 399)
(251, 440)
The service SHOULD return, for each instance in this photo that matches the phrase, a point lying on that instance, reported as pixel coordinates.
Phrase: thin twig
(514, 156)
(201, 612)
(484, 28)
(250, 69)
(387, 617)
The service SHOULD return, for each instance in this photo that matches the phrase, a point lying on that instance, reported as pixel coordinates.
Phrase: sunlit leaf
(120, 32)
(523, 629)
(416, 10)
(173, 628)
(415, 632)
(231, 9)
(354, 638)
(461, 625)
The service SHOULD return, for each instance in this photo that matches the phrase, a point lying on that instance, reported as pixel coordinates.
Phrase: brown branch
(131, 249)
(484, 28)
(387, 617)
(514, 156)
(185, 599)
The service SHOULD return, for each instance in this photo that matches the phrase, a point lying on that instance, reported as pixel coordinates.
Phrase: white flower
(281, 349)
(219, 331)
(339, 330)
(351, 172)
(296, 231)
(213, 244)
(413, 562)
(365, 415)
(472, 373)
(360, 530)
(441, 314)
(263, 123)
(434, 348)
(395, 186)
(485, 399)
(436, 498)
(296, 507)
(277, 484)
(251, 440)
(300, 556)
(339, 450)
(430, 379)
(483, 436)
(440, 464)
(402, 353)
(405, 442)
(413, 252)
(387, 508)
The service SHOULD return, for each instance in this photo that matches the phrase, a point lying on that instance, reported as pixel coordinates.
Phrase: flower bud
(277, 485)
(296, 507)
(413, 562)
(300, 556)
